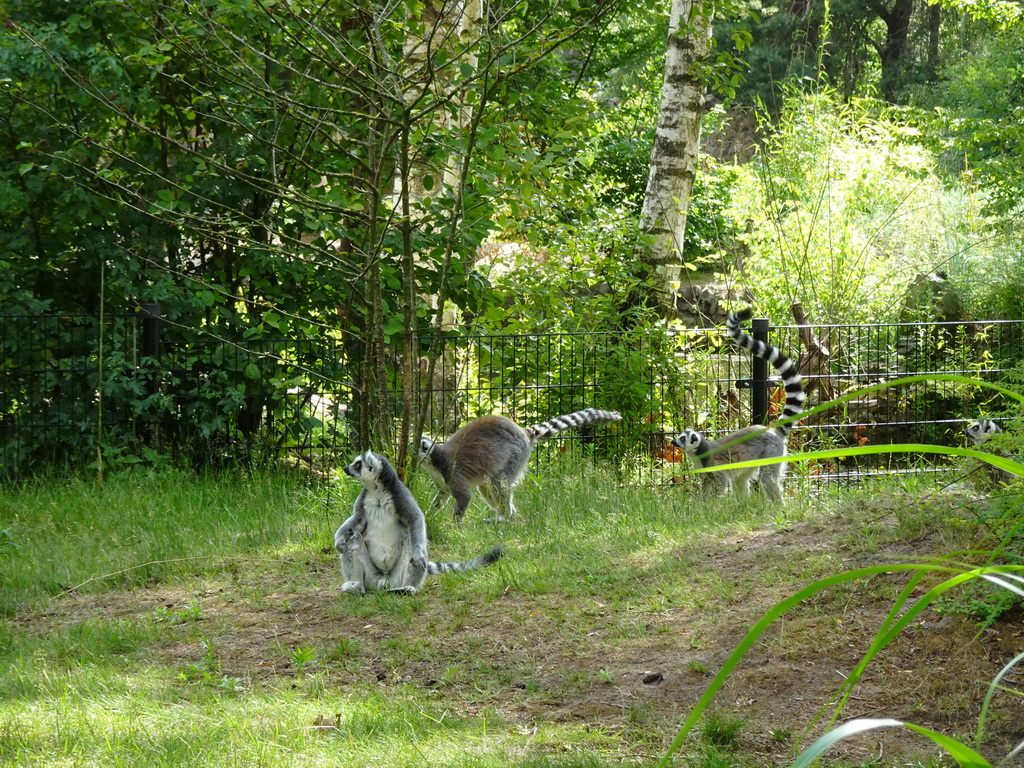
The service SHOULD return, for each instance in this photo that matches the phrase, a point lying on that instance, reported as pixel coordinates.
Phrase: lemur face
(426, 446)
(365, 468)
(689, 441)
(981, 430)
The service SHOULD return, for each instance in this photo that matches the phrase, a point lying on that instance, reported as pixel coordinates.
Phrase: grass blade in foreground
(963, 754)
(992, 687)
(891, 629)
(886, 634)
(1000, 462)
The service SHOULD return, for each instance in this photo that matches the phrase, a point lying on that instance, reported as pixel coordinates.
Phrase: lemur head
(981, 430)
(426, 447)
(689, 441)
(367, 468)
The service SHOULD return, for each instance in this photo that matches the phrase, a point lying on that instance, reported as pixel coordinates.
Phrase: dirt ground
(935, 675)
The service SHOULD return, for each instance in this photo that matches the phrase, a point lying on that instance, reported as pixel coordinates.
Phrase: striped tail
(791, 377)
(577, 419)
(466, 565)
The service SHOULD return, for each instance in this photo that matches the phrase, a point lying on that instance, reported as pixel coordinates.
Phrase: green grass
(205, 628)
(141, 528)
(107, 715)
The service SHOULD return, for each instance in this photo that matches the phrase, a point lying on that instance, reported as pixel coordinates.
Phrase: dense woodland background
(373, 172)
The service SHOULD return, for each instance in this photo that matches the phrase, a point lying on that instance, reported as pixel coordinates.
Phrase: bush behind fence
(664, 381)
(71, 394)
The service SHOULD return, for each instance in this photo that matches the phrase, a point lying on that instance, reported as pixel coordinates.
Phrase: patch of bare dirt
(538, 668)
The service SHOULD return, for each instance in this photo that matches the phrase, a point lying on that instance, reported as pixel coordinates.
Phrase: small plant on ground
(344, 648)
(190, 612)
(303, 657)
(207, 671)
(720, 730)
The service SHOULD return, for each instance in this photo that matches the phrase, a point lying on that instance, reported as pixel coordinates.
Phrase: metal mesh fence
(61, 393)
(257, 400)
(933, 411)
(66, 390)
(70, 395)
(665, 381)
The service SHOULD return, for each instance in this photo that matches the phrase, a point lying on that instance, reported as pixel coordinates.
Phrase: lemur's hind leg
(771, 478)
(407, 575)
(498, 495)
(357, 569)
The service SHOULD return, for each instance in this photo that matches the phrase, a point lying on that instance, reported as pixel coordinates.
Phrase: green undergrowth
(203, 624)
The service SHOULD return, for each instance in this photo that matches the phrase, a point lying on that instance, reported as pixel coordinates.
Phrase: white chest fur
(385, 534)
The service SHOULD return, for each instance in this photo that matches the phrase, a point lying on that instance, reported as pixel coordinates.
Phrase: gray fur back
(488, 446)
(570, 420)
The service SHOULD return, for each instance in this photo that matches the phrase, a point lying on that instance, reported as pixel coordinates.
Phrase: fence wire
(670, 380)
(68, 392)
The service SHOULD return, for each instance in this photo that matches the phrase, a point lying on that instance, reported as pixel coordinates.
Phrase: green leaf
(394, 325)
(963, 754)
(252, 371)
(886, 635)
(494, 314)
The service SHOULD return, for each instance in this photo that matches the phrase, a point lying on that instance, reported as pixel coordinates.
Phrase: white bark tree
(674, 154)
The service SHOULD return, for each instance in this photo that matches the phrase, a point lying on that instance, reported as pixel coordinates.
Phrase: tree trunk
(454, 27)
(897, 31)
(674, 154)
(468, 18)
(934, 23)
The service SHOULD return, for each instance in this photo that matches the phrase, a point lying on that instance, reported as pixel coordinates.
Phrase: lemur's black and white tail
(570, 420)
(791, 378)
(466, 565)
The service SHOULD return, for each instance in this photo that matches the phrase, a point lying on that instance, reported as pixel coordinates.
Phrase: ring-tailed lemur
(492, 452)
(981, 430)
(383, 545)
(769, 442)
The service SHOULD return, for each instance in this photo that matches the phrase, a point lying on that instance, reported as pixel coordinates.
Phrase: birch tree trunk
(674, 154)
(452, 27)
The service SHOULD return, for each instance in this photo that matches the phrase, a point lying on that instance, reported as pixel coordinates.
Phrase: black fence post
(151, 334)
(759, 375)
(150, 347)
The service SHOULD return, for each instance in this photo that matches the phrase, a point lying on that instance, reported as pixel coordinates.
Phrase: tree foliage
(845, 210)
(275, 169)
(271, 170)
